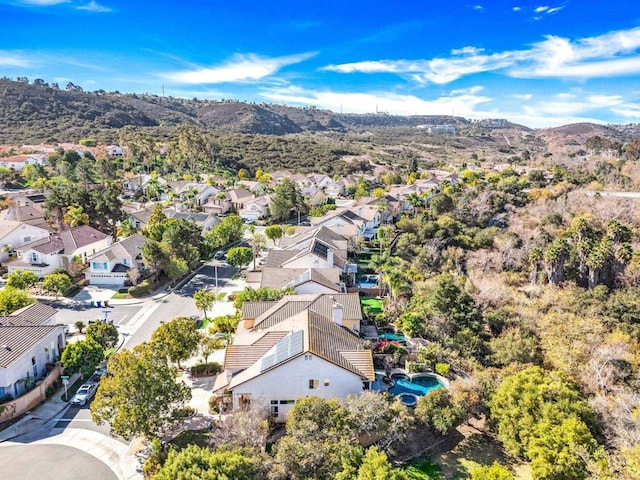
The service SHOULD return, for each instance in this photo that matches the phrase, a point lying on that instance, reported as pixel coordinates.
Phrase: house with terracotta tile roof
(18, 162)
(57, 251)
(299, 346)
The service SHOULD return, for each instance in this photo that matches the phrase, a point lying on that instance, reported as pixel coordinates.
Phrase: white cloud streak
(94, 6)
(8, 59)
(241, 68)
(608, 55)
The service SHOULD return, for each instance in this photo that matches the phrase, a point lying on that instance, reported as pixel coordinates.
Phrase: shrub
(143, 288)
(443, 369)
(204, 369)
(390, 347)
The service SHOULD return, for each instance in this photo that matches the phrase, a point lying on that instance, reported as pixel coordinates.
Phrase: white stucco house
(29, 339)
(111, 266)
(295, 348)
(256, 208)
(57, 251)
(18, 162)
(14, 235)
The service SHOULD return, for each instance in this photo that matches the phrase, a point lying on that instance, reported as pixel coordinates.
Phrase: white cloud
(523, 96)
(43, 3)
(8, 59)
(478, 8)
(248, 67)
(607, 55)
(553, 10)
(560, 109)
(516, 9)
(541, 9)
(93, 6)
(367, 102)
(628, 110)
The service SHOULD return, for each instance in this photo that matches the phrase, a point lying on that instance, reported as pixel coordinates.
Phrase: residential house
(57, 251)
(14, 235)
(302, 280)
(299, 346)
(115, 151)
(205, 221)
(30, 214)
(18, 162)
(335, 189)
(232, 200)
(256, 208)
(111, 266)
(316, 248)
(29, 340)
(140, 218)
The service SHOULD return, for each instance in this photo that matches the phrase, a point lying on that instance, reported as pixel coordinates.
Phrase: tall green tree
(21, 279)
(104, 334)
(12, 299)
(274, 233)
(140, 396)
(204, 300)
(177, 339)
(201, 463)
(82, 357)
(543, 417)
(57, 283)
(286, 200)
(239, 256)
(155, 256)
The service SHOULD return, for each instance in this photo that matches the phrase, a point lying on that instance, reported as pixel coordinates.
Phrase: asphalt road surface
(31, 462)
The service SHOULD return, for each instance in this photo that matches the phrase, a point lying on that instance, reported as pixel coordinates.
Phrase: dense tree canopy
(140, 396)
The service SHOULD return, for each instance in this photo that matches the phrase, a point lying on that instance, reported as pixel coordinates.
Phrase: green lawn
(422, 470)
(374, 304)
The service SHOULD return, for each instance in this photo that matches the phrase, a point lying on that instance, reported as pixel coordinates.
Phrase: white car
(84, 393)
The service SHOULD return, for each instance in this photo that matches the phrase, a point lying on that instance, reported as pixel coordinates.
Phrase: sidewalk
(37, 428)
(32, 423)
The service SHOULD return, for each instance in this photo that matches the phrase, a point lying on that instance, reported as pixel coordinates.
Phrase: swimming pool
(418, 384)
(368, 281)
(394, 337)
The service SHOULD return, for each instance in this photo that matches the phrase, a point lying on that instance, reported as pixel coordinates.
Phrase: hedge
(204, 369)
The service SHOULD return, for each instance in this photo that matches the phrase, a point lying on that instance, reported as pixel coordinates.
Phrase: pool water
(419, 385)
(394, 337)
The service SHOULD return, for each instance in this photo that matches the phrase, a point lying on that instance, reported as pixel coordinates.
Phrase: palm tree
(75, 216)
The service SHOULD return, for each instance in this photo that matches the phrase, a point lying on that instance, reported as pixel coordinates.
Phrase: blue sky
(539, 64)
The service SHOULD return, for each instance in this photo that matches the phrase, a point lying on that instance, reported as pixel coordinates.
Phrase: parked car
(84, 393)
(100, 371)
(219, 255)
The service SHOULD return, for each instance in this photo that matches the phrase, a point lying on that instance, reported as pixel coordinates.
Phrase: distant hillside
(269, 136)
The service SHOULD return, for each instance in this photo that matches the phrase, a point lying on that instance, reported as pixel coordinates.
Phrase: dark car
(219, 255)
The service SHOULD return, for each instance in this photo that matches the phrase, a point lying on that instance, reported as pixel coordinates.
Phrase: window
(314, 384)
(287, 402)
(33, 360)
(274, 411)
(326, 382)
(34, 257)
(308, 356)
(27, 239)
(104, 266)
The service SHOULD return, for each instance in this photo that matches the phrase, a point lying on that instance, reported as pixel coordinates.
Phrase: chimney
(338, 228)
(337, 313)
(330, 258)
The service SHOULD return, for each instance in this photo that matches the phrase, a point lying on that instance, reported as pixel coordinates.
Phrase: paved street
(73, 425)
(28, 462)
